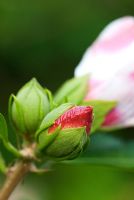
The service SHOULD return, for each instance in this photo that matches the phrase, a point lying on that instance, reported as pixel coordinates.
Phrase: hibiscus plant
(80, 121)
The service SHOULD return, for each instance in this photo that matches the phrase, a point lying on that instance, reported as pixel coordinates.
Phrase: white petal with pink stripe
(110, 64)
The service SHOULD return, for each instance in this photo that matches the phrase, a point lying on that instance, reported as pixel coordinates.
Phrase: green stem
(12, 149)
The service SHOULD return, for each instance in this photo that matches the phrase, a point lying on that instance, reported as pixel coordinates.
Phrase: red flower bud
(78, 116)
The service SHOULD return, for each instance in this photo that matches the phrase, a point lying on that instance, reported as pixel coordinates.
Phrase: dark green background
(46, 39)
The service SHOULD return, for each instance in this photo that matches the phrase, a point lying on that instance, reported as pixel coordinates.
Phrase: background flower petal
(110, 63)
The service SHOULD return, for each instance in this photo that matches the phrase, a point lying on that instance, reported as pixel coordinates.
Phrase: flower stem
(14, 177)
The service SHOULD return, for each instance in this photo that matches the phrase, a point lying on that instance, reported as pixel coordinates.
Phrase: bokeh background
(46, 39)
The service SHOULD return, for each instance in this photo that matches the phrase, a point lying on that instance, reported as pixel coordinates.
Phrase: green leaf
(101, 108)
(3, 168)
(3, 129)
(73, 90)
(112, 150)
(53, 115)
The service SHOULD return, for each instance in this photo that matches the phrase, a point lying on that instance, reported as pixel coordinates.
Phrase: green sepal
(46, 138)
(12, 149)
(101, 109)
(19, 112)
(73, 90)
(10, 101)
(79, 149)
(10, 120)
(52, 116)
(50, 97)
(67, 144)
(3, 167)
(4, 137)
(3, 128)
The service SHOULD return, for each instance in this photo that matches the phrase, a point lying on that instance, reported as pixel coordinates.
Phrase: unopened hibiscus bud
(68, 135)
(110, 64)
(29, 107)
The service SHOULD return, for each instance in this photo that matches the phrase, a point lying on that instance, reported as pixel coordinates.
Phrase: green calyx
(28, 107)
(63, 144)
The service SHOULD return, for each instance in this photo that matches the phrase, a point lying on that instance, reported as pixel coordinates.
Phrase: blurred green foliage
(81, 182)
(46, 39)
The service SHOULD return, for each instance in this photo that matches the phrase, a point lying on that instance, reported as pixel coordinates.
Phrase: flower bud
(29, 107)
(68, 135)
(109, 63)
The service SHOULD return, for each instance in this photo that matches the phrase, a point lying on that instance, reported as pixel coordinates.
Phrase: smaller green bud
(29, 107)
(68, 135)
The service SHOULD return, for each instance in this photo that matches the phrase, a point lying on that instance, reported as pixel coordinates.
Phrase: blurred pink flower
(110, 64)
